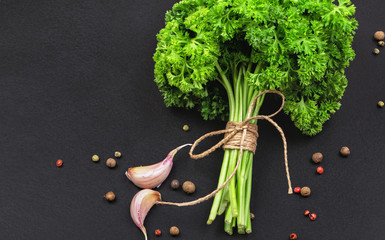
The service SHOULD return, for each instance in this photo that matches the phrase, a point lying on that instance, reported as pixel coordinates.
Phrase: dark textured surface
(76, 79)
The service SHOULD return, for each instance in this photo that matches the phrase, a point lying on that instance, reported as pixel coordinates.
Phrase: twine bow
(229, 134)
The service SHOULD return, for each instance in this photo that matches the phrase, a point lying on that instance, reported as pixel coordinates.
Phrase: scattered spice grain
(188, 187)
(95, 158)
(174, 231)
(186, 128)
(110, 196)
(293, 236)
(111, 163)
(313, 216)
(379, 35)
(118, 154)
(317, 157)
(345, 151)
(59, 163)
(158, 232)
(305, 191)
(175, 184)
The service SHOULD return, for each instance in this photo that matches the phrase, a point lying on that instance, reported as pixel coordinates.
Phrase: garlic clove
(141, 203)
(153, 175)
(150, 176)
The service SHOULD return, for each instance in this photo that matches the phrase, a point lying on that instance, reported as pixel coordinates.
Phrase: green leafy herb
(299, 47)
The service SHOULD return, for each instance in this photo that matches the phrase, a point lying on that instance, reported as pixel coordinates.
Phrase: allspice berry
(174, 231)
(118, 154)
(317, 157)
(110, 196)
(379, 35)
(111, 163)
(345, 151)
(175, 184)
(305, 191)
(188, 187)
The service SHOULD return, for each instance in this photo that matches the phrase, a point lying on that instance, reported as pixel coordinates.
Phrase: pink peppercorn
(297, 190)
(293, 236)
(158, 232)
(59, 163)
(313, 216)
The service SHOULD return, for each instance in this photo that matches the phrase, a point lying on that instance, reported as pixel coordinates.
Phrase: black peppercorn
(175, 184)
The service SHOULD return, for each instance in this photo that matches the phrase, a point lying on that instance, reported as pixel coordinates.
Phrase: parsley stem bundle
(236, 195)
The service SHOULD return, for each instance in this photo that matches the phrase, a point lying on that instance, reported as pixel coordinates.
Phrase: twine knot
(250, 141)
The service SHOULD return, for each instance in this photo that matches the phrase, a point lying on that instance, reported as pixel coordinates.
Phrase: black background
(76, 79)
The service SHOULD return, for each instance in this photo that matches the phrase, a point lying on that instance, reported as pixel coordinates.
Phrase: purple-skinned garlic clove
(141, 203)
(153, 175)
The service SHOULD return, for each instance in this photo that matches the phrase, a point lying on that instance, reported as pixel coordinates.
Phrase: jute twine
(242, 136)
(250, 141)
